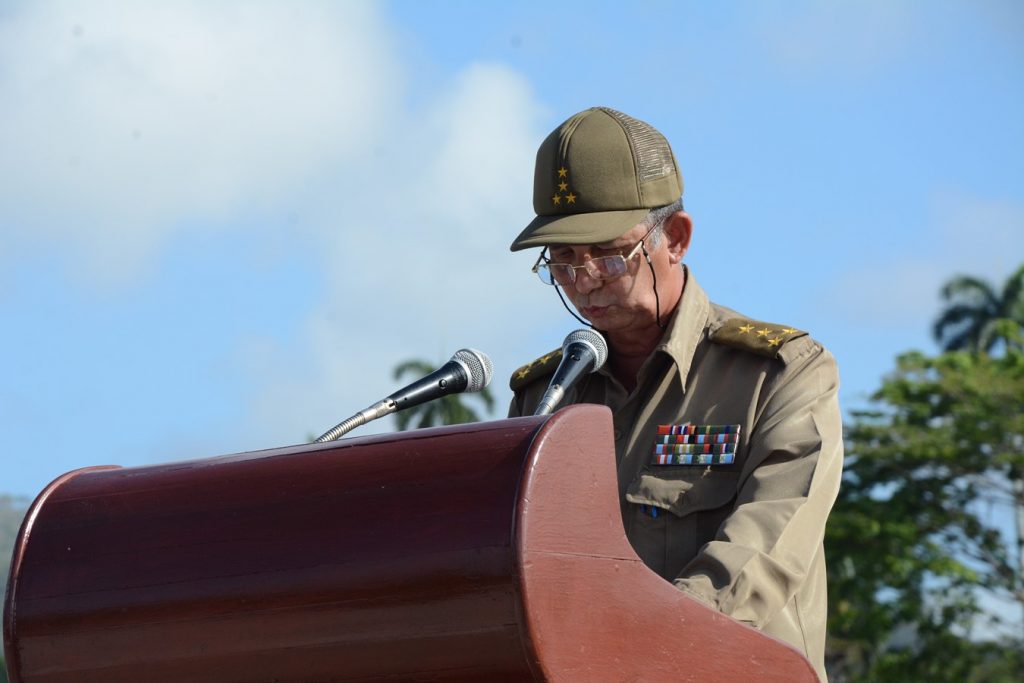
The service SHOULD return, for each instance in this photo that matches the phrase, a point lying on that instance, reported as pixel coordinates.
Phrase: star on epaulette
(765, 339)
(540, 367)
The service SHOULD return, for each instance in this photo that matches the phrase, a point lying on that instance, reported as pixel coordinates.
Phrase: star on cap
(763, 332)
(562, 184)
(744, 329)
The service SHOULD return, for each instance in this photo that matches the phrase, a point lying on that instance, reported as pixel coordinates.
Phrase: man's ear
(678, 230)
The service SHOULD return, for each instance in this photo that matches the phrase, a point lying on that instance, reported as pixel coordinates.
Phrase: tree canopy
(918, 545)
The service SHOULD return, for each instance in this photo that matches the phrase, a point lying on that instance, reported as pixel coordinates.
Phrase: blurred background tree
(972, 318)
(12, 511)
(448, 410)
(925, 546)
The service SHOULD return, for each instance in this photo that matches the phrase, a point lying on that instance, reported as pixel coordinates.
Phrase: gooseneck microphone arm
(468, 370)
(378, 409)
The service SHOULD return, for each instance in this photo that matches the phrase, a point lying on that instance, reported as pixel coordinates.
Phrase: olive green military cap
(597, 175)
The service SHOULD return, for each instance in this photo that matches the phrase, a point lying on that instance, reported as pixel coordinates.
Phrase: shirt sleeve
(515, 408)
(764, 550)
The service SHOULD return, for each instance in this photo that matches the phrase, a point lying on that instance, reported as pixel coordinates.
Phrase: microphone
(468, 370)
(583, 351)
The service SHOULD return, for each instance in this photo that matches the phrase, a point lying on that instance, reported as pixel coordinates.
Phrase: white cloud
(421, 267)
(123, 122)
(132, 123)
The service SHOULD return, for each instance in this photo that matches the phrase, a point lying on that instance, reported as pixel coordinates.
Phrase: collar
(686, 327)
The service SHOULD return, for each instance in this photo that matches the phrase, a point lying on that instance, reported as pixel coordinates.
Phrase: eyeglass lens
(600, 268)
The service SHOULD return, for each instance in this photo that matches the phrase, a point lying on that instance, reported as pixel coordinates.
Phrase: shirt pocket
(683, 490)
(698, 500)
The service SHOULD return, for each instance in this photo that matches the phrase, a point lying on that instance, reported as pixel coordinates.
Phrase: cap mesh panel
(651, 150)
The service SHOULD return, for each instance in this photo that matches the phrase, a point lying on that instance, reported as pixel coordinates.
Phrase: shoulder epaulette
(764, 339)
(540, 367)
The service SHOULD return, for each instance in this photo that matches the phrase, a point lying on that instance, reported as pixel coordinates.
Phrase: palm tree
(977, 317)
(447, 410)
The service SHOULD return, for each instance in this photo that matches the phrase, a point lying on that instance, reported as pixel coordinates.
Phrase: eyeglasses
(599, 268)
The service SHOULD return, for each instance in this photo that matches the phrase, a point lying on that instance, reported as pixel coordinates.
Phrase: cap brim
(578, 228)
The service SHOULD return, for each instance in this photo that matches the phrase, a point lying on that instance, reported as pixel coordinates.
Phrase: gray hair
(656, 217)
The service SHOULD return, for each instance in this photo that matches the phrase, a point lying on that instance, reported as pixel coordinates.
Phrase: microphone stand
(378, 409)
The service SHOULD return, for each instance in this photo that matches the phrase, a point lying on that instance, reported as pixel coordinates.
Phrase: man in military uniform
(727, 430)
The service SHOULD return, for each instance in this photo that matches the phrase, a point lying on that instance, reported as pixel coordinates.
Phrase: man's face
(625, 303)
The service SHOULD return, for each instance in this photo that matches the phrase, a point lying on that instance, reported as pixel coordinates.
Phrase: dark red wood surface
(593, 611)
(365, 558)
(490, 552)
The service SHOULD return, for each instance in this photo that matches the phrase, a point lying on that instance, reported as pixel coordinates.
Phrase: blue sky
(223, 224)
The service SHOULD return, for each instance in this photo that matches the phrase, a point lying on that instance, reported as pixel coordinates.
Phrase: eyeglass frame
(572, 269)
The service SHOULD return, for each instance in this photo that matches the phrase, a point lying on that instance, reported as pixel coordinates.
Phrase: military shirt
(742, 531)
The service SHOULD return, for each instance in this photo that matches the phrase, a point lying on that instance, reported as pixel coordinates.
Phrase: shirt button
(618, 434)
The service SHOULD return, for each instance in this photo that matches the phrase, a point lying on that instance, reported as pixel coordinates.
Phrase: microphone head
(592, 339)
(478, 367)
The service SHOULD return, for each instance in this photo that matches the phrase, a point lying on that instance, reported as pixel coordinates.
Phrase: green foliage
(977, 318)
(912, 543)
(12, 511)
(945, 656)
(448, 410)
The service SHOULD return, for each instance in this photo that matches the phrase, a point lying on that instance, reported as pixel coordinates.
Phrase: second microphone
(583, 351)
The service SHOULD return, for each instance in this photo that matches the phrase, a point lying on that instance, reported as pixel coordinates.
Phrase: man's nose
(585, 282)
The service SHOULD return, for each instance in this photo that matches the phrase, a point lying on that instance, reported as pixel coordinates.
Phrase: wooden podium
(485, 552)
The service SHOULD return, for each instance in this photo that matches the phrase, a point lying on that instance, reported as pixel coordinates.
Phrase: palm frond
(403, 418)
(956, 321)
(964, 323)
(414, 366)
(487, 397)
(1000, 331)
(429, 415)
(988, 335)
(965, 340)
(1012, 300)
(970, 289)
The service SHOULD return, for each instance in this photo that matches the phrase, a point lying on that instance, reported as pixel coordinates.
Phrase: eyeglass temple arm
(540, 258)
